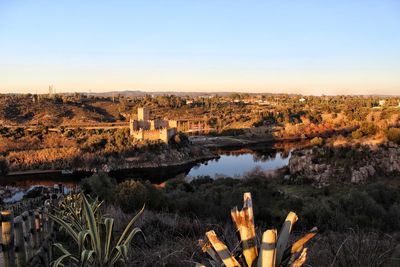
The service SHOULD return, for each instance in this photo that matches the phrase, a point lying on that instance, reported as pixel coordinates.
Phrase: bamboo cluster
(272, 251)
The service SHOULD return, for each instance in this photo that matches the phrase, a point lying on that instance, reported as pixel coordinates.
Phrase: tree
(393, 134)
(99, 184)
(317, 141)
(3, 166)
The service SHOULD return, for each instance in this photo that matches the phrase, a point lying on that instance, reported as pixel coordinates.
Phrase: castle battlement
(145, 129)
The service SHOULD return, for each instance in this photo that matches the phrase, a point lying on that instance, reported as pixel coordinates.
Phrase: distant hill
(138, 93)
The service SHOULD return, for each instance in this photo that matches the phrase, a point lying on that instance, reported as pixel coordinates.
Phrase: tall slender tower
(51, 90)
(143, 114)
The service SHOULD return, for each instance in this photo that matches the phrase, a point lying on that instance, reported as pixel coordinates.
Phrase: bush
(393, 134)
(3, 166)
(131, 195)
(180, 139)
(357, 134)
(34, 192)
(317, 141)
(99, 184)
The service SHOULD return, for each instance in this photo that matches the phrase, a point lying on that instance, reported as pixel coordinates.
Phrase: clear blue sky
(309, 47)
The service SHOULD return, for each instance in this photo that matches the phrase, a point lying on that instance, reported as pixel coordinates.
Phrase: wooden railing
(26, 239)
(25, 205)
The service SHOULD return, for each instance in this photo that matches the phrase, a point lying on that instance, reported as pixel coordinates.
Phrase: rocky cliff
(324, 165)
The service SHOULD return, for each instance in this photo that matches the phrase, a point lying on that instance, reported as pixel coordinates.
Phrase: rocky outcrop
(151, 159)
(362, 174)
(344, 164)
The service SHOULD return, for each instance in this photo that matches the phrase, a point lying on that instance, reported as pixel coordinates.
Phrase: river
(240, 163)
(231, 163)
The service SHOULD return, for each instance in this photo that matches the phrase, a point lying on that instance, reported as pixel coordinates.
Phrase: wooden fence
(26, 239)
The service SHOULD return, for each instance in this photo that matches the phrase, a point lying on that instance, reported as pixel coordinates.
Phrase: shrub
(393, 134)
(180, 139)
(34, 192)
(99, 184)
(357, 134)
(131, 195)
(92, 233)
(94, 143)
(3, 166)
(317, 141)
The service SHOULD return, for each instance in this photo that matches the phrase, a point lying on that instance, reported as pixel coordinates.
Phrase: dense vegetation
(55, 132)
(224, 112)
(180, 212)
(372, 206)
(39, 132)
(80, 148)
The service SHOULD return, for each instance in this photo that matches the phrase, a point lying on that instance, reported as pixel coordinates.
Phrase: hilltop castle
(145, 129)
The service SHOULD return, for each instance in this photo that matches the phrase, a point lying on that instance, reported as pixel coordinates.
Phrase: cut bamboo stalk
(267, 256)
(20, 248)
(301, 260)
(207, 247)
(7, 237)
(283, 237)
(222, 250)
(244, 221)
(297, 246)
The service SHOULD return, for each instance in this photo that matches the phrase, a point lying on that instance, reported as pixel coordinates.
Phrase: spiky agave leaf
(109, 224)
(126, 232)
(85, 257)
(94, 244)
(81, 240)
(73, 233)
(66, 255)
(93, 229)
(120, 249)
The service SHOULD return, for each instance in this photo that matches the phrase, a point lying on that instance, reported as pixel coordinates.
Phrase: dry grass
(354, 248)
(172, 240)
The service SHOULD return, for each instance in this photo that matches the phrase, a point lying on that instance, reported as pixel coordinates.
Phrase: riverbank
(165, 162)
(249, 139)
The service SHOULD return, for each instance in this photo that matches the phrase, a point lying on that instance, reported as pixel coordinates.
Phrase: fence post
(7, 237)
(61, 189)
(37, 230)
(19, 242)
(27, 233)
(41, 225)
(34, 235)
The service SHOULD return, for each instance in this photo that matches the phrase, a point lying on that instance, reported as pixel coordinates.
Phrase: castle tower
(143, 114)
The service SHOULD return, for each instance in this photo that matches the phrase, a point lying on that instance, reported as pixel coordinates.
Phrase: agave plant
(274, 250)
(70, 210)
(92, 233)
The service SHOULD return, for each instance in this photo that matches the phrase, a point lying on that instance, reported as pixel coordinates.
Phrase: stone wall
(166, 134)
(152, 135)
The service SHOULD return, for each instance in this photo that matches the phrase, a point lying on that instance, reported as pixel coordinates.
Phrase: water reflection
(239, 162)
(233, 163)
